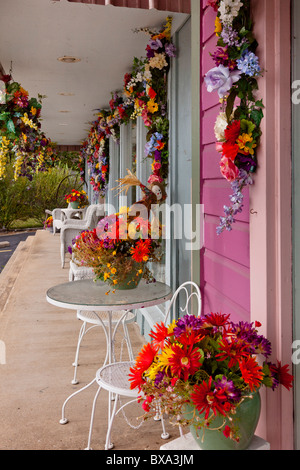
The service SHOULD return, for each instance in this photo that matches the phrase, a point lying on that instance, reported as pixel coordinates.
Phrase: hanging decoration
(21, 140)
(234, 78)
(144, 94)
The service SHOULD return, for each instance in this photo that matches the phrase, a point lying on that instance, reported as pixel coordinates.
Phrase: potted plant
(119, 250)
(76, 199)
(206, 373)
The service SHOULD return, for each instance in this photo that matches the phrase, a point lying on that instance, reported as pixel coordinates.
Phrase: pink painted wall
(225, 259)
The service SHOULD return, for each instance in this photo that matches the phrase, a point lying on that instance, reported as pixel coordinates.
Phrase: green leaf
(10, 126)
(230, 104)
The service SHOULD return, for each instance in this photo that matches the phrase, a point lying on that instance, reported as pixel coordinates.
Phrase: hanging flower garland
(237, 128)
(144, 94)
(21, 140)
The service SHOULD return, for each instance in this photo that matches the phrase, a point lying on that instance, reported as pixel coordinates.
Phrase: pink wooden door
(225, 258)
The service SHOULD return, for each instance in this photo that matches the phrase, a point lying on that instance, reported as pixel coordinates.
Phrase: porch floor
(40, 341)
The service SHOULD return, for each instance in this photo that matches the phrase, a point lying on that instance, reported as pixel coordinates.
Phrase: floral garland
(237, 128)
(21, 138)
(144, 94)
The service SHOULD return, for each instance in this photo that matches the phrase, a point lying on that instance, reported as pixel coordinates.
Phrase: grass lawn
(23, 224)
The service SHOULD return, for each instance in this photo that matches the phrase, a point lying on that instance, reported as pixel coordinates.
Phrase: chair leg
(92, 419)
(111, 416)
(75, 363)
(63, 419)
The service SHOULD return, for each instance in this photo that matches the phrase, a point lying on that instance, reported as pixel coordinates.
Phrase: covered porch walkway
(40, 342)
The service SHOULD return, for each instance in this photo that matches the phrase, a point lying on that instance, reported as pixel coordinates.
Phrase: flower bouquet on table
(202, 371)
(120, 249)
(76, 198)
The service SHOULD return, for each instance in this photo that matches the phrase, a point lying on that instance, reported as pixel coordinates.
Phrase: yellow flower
(115, 282)
(33, 111)
(145, 258)
(245, 143)
(152, 106)
(218, 26)
(106, 276)
(108, 265)
(113, 270)
(114, 253)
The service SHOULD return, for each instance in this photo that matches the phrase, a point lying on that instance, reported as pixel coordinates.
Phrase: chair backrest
(191, 301)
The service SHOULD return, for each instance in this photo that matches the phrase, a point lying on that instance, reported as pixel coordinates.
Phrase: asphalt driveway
(13, 240)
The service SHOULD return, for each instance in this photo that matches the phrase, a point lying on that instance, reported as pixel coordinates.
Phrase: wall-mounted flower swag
(21, 140)
(237, 128)
(144, 94)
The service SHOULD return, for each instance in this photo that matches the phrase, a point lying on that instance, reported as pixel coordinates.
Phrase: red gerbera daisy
(160, 335)
(251, 372)
(234, 351)
(136, 378)
(146, 357)
(141, 251)
(206, 400)
(184, 361)
(282, 374)
(216, 319)
(232, 131)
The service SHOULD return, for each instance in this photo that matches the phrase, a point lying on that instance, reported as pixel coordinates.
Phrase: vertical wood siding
(225, 259)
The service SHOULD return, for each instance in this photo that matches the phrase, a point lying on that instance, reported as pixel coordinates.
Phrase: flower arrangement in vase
(76, 198)
(203, 369)
(119, 250)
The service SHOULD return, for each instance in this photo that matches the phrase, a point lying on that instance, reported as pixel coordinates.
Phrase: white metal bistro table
(90, 295)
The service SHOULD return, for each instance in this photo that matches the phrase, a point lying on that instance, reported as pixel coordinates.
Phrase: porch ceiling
(35, 33)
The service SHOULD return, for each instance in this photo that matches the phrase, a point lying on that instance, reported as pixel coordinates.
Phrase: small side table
(68, 213)
(187, 442)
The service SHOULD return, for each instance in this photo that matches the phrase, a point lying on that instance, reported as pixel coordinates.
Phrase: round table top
(87, 294)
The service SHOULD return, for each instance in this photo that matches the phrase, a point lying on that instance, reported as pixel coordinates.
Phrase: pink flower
(228, 169)
(157, 166)
(155, 179)
(219, 147)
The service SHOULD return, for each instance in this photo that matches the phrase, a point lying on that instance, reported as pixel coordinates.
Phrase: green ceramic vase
(75, 205)
(132, 280)
(246, 418)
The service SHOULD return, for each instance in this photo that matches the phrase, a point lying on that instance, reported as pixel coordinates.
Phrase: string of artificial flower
(237, 127)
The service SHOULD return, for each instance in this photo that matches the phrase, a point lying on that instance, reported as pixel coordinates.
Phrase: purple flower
(170, 50)
(221, 79)
(227, 388)
(187, 323)
(155, 44)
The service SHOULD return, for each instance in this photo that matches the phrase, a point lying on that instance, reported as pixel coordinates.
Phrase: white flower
(229, 9)
(220, 126)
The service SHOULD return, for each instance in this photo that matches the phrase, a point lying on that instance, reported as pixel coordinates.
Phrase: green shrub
(47, 190)
(14, 199)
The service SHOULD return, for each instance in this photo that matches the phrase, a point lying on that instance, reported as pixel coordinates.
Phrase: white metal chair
(91, 318)
(114, 377)
(71, 228)
(100, 319)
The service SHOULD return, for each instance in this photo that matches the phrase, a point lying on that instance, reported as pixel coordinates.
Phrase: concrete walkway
(39, 342)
